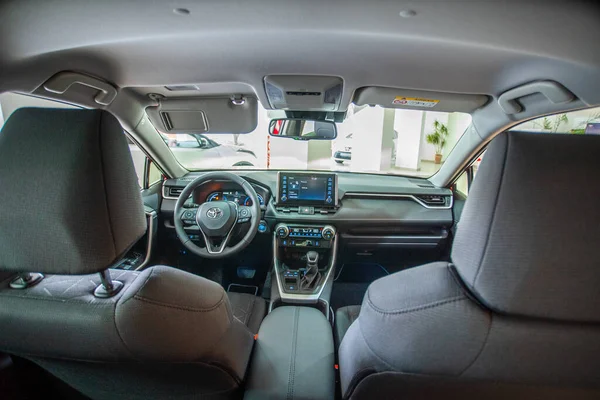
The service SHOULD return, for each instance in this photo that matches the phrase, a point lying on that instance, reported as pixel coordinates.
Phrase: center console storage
(293, 356)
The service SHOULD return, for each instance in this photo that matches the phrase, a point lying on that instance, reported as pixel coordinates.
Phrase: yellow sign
(414, 102)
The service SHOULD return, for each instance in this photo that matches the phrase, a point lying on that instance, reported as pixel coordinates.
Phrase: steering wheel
(216, 220)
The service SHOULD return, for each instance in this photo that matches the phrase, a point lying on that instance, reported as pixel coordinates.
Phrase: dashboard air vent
(434, 200)
(175, 191)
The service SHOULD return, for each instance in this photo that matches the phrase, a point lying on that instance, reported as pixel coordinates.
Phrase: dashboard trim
(401, 196)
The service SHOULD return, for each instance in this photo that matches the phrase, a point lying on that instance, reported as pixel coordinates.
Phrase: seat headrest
(527, 242)
(69, 194)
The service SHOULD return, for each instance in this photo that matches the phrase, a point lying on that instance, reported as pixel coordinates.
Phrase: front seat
(70, 208)
(517, 312)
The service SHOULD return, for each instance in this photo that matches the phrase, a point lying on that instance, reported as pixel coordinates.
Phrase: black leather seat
(70, 208)
(517, 312)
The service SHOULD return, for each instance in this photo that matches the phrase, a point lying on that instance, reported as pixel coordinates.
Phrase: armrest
(293, 356)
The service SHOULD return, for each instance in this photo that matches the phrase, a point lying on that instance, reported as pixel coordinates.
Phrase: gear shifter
(311, 275)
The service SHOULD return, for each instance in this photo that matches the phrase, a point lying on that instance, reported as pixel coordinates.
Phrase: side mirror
(302, 129)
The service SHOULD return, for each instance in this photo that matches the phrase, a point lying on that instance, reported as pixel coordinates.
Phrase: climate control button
(282, 231)
(328, 233)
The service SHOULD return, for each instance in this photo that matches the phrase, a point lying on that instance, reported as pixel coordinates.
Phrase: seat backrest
(71, 207)
(517, 312)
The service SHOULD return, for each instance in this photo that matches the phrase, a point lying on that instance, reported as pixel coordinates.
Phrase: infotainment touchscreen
(307, 189)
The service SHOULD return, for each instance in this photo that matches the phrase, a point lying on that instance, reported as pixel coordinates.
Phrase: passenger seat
(344, 317)
(517, 312)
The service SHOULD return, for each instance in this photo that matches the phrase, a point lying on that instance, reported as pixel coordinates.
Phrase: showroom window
(581, 122)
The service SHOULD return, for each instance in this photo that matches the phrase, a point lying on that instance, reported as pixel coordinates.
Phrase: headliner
(483, 47)
(225, 47)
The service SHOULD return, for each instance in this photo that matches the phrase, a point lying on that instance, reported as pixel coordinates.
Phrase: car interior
(299, 200)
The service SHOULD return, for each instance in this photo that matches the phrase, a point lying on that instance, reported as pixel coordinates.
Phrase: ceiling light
(181, 11)
(408, 13)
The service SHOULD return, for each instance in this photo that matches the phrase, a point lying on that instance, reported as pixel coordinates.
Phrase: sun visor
(419, 99)
(205, 115)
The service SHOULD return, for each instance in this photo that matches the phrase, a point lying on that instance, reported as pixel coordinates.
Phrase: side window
(154, 174)
(465, 180)
(462, 184)
(147, 172)
(581, 122)
(204, 143)
(139, 161)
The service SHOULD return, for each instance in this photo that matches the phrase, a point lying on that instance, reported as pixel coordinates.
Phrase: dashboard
(348, 218)
(376, 218)
(362, 207)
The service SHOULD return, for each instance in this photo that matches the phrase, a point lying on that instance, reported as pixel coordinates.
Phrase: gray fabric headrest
(528, 239)
(69, 194)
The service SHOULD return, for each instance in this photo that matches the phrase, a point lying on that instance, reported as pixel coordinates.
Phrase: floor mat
(351, 283)
(357, 272)
(347, 294)
(237, 288)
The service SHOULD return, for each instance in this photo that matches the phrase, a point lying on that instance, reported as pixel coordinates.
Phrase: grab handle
(553, 91)
(62, 81)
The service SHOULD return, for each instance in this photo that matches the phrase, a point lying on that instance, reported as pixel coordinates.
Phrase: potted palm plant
(438, 139)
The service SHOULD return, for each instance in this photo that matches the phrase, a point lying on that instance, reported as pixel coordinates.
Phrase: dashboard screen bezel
(294, 203)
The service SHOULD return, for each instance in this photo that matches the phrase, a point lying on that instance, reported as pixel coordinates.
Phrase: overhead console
(304, 92)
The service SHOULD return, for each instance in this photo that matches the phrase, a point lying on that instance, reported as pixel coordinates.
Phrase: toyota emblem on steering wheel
(214, 213)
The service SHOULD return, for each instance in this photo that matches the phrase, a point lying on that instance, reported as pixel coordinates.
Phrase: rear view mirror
(302, 129)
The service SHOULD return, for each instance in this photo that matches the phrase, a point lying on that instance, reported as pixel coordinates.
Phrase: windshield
(370, 140)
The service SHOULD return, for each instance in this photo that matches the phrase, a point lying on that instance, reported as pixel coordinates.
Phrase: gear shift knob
(312, 258)
(311, 275)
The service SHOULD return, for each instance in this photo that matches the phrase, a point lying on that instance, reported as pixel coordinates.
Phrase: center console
(304, 259)
(305, 253)
(287, 362)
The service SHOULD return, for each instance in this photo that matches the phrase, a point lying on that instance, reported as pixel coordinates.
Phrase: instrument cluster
(236, 196)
